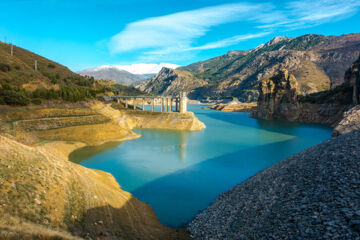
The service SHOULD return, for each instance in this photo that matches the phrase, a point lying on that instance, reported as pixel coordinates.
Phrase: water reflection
(183, 136)
(176, 145)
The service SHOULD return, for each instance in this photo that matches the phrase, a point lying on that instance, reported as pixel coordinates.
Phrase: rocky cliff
(278, 97)
(351, 120)
(171, 81)
(318, 63)
(279, 100)
(352, 78)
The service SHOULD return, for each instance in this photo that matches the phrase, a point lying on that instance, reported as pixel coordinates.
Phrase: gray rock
(314, 194)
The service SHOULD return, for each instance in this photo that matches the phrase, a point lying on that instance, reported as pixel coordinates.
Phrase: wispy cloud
(176, 33)
(229, 41)
(308, 13)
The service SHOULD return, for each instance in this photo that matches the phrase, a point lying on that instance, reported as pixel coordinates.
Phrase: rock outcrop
(314, 194)
(279, 100)
(278, 97)
(235, 107)
(350, 122)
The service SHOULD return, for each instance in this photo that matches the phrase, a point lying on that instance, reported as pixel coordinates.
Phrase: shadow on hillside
(134, 220)
(86, 153)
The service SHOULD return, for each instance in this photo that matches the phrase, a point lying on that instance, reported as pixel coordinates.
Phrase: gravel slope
(312, 195)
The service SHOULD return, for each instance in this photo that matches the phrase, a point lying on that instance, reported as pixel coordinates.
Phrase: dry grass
(47, 113)
(47, 190)
(89, 134)
(59, 122)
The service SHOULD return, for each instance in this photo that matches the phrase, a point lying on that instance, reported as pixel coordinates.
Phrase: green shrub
(13, 97)
(50, 65)
(5, 67)
(36, 101)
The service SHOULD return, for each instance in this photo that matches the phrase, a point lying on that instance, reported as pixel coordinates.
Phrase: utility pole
(35, 65)
(12, 49)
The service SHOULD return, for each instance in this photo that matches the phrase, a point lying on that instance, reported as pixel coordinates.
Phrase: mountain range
(318, 62)
(133, 74)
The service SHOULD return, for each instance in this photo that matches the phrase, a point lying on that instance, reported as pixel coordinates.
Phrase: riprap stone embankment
(314, 194)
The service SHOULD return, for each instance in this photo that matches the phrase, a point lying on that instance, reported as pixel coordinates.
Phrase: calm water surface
(180, 173)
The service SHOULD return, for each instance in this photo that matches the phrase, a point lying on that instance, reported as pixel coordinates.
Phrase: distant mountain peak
(276, 40)
(137, 68)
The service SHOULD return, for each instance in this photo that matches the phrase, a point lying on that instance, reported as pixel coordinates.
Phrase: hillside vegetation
(22, 84)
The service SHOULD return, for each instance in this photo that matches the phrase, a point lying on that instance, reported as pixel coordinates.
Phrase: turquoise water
(180, 173)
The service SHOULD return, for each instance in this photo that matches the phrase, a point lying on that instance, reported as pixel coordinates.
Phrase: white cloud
(173, 36)
(229, 41)
(177, 31)
(321, 10)
(308, 13)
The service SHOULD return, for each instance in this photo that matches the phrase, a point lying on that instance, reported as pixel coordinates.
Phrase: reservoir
(180, 173)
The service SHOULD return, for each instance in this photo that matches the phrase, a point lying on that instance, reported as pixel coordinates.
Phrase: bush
(5, 67)
(12, 97)
(50, 65)
(17, 67)
(36, 101)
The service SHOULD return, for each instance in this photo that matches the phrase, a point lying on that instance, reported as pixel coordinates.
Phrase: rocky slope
(349, 123)
(314, 194)
(171, 81)
(318, 62)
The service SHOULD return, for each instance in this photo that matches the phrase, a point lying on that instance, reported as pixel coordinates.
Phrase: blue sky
(85, 34)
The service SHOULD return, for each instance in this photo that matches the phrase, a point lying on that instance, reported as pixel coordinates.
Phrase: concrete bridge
(167, 103)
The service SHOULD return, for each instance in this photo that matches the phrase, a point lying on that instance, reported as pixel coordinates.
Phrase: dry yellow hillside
(43, 188)
(43, 195)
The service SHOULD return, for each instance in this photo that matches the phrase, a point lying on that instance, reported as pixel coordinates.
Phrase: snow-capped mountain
(127, 74)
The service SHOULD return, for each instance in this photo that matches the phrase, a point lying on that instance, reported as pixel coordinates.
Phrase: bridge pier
(152, 104)
(143, 104)
(126, 102)
(170, 100)
(134, 105)
(162, 104)
(183, 102)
